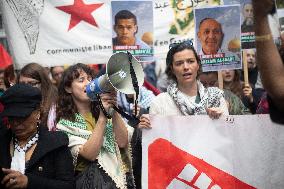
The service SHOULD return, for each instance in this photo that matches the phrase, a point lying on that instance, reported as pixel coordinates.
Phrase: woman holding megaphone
(99, 145)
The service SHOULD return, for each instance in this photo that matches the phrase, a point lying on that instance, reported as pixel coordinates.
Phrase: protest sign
(198, 152)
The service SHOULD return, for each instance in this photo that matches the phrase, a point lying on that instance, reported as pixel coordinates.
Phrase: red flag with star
(80, 11)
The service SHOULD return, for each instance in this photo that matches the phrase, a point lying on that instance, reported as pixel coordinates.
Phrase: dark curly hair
(170, 57)
(66, 108)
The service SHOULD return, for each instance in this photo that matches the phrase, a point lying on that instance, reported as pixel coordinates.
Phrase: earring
(38, 121)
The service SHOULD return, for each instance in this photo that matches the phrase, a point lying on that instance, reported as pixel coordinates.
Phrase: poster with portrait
(132, 23)
(247, 24)
(280, 12)
(218, 37)
(174, 22)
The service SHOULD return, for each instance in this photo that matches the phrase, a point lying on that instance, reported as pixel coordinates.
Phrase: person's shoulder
(229, 94)
(57, 138)
(162, 97)
(164, 104)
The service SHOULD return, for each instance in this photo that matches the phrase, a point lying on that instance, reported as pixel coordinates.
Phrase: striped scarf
(209, 97)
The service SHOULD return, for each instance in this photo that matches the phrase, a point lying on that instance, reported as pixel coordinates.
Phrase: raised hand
(247, 92)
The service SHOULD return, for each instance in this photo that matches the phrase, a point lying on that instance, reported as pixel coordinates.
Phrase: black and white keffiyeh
(18, 160)
(209, 97)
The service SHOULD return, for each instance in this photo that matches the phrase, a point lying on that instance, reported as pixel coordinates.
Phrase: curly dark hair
(170, 57)
(66, 108)
(48, 90)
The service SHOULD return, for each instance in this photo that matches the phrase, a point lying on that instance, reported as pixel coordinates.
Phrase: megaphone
(117, 76)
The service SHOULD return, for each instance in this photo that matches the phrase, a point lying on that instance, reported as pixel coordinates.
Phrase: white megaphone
(117, 76)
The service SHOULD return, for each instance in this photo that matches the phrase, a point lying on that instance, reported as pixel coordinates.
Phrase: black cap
(20, 100)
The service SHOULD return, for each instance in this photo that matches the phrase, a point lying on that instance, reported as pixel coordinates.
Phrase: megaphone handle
(125, 115)
(102, 107)
(135, 105)
(134, 82)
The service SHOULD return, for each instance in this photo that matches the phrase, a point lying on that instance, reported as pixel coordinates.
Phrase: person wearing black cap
(31, 156)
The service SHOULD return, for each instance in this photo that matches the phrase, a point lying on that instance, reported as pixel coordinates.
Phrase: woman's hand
(138, 110)
(14, 179)
(108, 101)
(144, 122)
(214, 113)
(247, 92)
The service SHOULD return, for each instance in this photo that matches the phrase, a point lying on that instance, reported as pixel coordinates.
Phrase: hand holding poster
(243, 152)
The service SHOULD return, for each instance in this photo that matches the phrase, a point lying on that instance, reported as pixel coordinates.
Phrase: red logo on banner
(80, 12)
(171, 168)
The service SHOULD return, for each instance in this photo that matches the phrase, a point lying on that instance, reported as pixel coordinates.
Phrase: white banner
(243, 152)
(52, 32)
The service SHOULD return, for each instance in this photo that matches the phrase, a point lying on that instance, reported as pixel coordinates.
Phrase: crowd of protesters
(99, 146)
(95, 141)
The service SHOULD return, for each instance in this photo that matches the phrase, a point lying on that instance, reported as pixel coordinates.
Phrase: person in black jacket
(31, 156)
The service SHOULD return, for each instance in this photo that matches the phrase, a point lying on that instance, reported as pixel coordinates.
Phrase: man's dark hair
(124, 14)
(170, 57)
